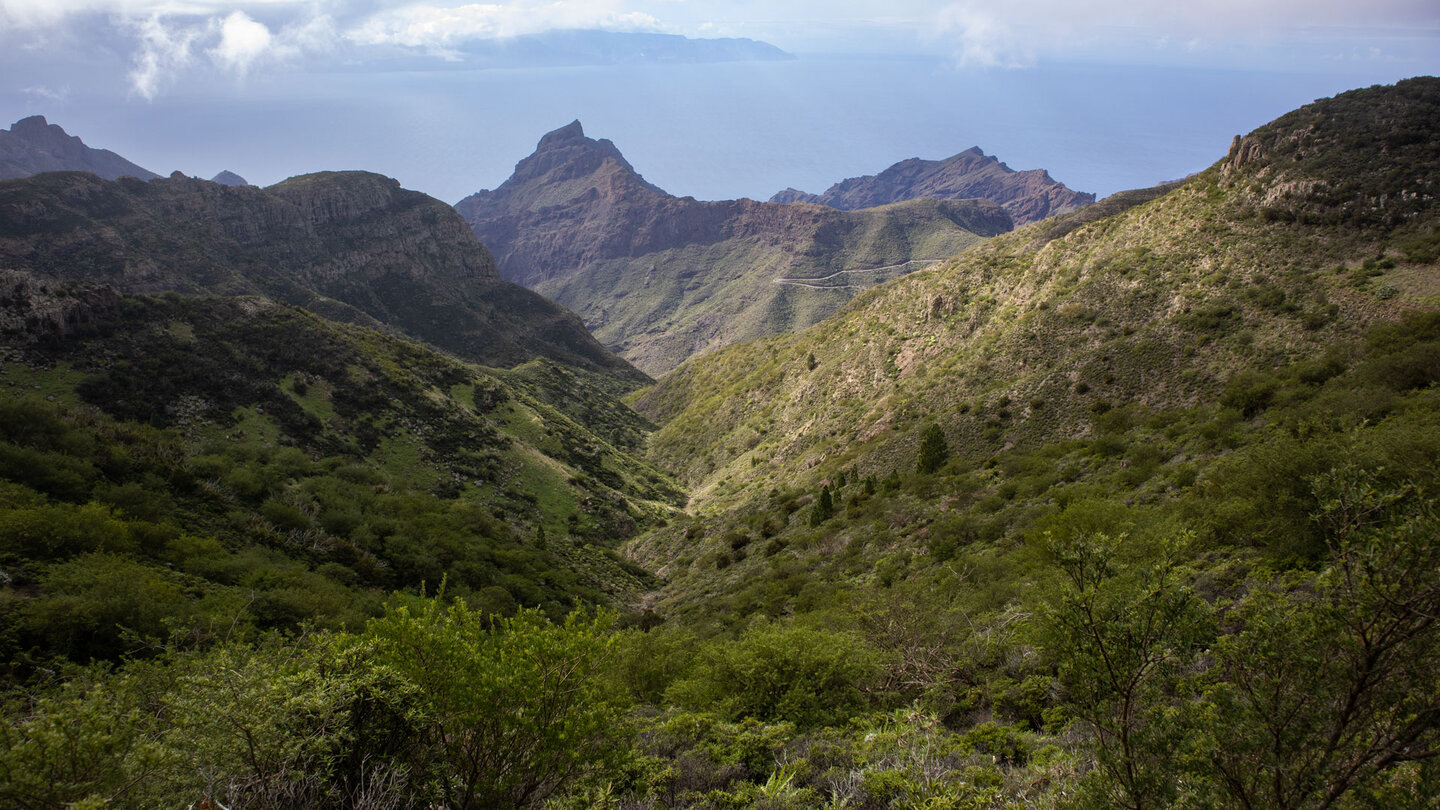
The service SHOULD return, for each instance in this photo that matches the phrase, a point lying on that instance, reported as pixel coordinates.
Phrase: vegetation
(1087, 518)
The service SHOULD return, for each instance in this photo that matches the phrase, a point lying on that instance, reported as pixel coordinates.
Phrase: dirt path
(806, 282)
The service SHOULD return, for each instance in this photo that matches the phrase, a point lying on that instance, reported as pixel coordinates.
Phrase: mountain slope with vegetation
(661, 278)
(1133, 508)
(252, 444)
(1028, 196)
(351, 246)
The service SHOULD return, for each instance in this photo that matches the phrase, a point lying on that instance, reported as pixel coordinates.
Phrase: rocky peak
(571, 133)
(35, 128)
(1027, 195)
(229, 178)
(33, 145)
(565, 166)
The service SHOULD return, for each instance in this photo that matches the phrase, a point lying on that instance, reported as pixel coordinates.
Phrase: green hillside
(254, 446)
(1131, 508)
(660, 308)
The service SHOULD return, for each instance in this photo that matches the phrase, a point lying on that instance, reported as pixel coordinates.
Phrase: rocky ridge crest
(33, 145)
(1028, 196)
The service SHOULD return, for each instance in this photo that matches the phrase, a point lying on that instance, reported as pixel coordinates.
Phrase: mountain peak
(571, 133)
(1027, 196)
(33, 145)
(229, 178)
(565, 166)
(27, 127)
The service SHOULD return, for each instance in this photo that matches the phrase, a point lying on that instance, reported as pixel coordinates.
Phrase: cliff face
(32, 146)
(1028, 196)
(661, 278)
(352, 246)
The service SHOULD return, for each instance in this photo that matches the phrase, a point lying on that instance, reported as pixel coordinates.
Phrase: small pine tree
(934, 451)
(811, 362)
(824, 507)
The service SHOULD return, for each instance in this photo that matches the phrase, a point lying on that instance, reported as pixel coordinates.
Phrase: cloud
(242, 41)
(41, 91)
(164, 51)
(1017, 32)
(434, 26)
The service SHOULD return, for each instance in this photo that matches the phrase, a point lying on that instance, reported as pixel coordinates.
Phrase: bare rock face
(1242, 151)
(32, 146)
(351, 246)
(1028, 196)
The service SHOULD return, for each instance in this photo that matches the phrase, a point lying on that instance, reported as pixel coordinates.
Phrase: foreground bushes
(432, 705)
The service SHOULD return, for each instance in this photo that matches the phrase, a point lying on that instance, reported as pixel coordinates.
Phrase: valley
(305, 502)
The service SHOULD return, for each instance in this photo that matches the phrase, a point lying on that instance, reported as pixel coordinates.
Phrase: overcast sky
(111, 63)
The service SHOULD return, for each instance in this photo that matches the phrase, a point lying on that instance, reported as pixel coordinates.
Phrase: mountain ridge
(33, 145)
(1029, 195)
(352, 246)
(661, 278)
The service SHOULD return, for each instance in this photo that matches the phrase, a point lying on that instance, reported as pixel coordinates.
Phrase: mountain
(229, 178)
(32, 146)
(1134, 506)
(661, 278)
(1249, 285)
(351, 246)
(287, 468)
(1029, 196)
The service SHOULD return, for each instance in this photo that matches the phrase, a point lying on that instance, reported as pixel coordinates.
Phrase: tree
(824, 507)
(1325, 684)
(1125, 634)
(934, 451)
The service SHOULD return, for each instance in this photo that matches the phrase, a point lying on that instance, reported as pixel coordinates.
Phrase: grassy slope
(343, 461)
(660, 308)
(1030, 341)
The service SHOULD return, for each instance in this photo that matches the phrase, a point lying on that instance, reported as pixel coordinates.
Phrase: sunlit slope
(1313, 227)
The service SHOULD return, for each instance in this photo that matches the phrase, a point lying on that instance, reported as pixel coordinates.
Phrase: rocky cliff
(32, 146)
(661, 278)
(1029, 196)
(352, 246)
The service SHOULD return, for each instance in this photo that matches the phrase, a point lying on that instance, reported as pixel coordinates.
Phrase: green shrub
(777, 672)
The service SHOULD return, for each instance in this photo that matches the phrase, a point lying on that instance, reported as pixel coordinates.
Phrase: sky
(1105, 94)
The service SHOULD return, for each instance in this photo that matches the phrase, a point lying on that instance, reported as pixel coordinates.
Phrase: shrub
(776, 672)
(516, 706)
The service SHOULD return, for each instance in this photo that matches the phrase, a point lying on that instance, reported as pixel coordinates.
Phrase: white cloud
(242, 41)
(164, 51)
(1017, 31)
(47, 93)
(435, 26)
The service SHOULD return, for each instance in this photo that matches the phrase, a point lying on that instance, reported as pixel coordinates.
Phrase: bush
(774, 672)
(516, 707)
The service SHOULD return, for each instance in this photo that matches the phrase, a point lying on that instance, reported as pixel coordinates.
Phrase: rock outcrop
(32, 146)
(1029, 196)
